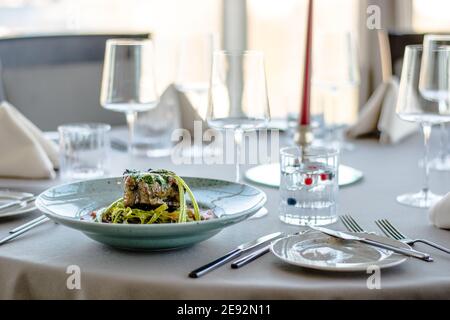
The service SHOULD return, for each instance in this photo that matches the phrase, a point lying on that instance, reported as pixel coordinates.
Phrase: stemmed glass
(333, 79)
(431, 92)
(194, 68)
(128, 82)
(412, 106)
(238, 95)
(193, 74)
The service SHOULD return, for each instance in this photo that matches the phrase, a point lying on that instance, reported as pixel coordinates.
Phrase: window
(165, 18)
(278, 28)
(430, 15)
(169, 16)
(273, 26)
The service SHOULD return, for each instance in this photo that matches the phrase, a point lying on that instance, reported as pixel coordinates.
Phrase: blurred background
(275, 27)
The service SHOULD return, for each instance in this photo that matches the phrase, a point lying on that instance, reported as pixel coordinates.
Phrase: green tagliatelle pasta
(118, 213)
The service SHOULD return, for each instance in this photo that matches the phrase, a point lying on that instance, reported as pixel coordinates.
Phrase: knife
(256, 254)
(232, 254)
(250, 257)
(346, 236)
(17, 202)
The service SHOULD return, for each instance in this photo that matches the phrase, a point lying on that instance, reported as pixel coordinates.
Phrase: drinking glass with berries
(309, 185)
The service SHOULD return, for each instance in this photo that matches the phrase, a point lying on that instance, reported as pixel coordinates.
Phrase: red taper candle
(305, 111)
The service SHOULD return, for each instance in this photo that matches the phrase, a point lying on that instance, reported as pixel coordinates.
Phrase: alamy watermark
(220, 147)
(374, 280)
(373, 21)
(73, 281)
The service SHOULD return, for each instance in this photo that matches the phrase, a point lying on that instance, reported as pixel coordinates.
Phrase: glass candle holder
(83, 150)
(309, 185)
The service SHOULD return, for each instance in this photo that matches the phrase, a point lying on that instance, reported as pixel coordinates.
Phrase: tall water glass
(128, 82)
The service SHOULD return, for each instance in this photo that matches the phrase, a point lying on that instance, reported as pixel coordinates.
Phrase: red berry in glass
(308, 181)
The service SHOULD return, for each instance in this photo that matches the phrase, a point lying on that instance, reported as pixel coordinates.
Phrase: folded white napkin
(378, 114)
(439, 214)
(175, 104)
(25, 152)
(188, 113)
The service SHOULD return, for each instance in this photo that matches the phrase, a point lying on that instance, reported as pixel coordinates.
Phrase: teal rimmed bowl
(231, 203)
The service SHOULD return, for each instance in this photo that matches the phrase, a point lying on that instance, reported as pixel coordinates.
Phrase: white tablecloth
(35, 265)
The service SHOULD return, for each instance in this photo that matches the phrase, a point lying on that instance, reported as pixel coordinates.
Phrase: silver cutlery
(252, 256)
(22, 231)
(17, 202)
(350, 237)
(392, 232)
(350, 223)
(232, 255)
(255, 255)
(25, 225)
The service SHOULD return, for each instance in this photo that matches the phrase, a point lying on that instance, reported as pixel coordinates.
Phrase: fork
(17, 202)
(392, 232)
(350, 223)
(23, 230)
(26, 225)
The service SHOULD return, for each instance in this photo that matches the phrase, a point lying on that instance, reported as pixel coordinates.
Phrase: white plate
(269, 175)
(315, 250)
(8, 196)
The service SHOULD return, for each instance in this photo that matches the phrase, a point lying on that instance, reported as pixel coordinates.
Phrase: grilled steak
(149, 190)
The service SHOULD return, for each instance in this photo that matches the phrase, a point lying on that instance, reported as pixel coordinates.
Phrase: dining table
(39, 264)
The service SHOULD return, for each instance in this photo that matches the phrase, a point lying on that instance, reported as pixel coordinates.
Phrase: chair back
(392, 49)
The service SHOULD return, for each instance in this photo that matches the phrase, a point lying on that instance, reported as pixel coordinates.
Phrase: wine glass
(238, 95)
(194, 68)
(128, 82)
(412, 106)
(193, 73)
(434, 41)
(335, 80)
(194, 62)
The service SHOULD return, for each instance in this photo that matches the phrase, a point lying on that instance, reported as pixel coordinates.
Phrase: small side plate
(269, 175)
(8, 196)
(315, 250)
